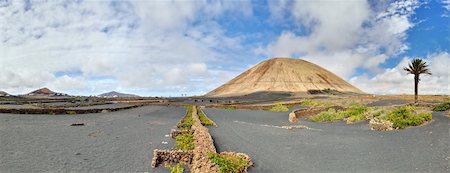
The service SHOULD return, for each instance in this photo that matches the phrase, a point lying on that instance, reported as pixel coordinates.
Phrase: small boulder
(293, 118)
(380, 125)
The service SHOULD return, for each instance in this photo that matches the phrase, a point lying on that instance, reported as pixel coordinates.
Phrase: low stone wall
(171, 156)
(204, 145)
(174, 133)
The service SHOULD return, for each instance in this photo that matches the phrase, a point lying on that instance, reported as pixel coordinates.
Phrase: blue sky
(166, 48)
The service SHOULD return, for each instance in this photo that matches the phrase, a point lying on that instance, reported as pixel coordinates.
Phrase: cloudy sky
(166, 48)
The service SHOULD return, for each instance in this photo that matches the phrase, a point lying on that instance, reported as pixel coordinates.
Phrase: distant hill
(117, 94)
(2, 94)
(45, 92)
(284, 75)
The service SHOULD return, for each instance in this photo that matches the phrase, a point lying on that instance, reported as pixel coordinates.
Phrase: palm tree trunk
(416, 91)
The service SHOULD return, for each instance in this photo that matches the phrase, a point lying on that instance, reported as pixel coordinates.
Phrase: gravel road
(334, 147)
(120, 141)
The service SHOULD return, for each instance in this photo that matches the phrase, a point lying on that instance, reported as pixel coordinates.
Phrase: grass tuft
(442, 107)
(353, 114)
(229, 163)
(187, 121)
(204, 119)
(279, 108)
(231, 107)
(184, 142)
(178, 168)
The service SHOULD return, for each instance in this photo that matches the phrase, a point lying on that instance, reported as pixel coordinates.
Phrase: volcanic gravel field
(120, 141)
(332, 147)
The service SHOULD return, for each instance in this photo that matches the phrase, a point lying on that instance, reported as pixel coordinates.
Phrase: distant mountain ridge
(117, 94)
(3, 93)
(45, 92)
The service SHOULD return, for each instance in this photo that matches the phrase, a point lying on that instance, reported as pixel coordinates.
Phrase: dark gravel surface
(120, 141)
(334, 147)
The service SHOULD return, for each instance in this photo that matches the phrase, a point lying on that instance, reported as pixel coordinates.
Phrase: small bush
(279, 108)
(230, 107)
(353, 114)
(404, 116)
(204, 119)
(442, 107)
(178, 168)
(327, 116)
(356, 118)
(316, 103)
(228, 163)
(71, 112)
(184, 142)
(187, 121)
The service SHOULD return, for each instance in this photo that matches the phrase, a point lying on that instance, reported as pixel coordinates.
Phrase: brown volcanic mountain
(283, 75)
(45, 92)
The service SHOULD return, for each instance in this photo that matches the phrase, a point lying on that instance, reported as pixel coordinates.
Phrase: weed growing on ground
(178, 168)
(404, 116)
(353, 114)
(442, 107)
(204, 119)
(279, 108)
(184, 142)
(71, 112)
(229, 163)
(230, 107)
(187, 121)
(316, 103)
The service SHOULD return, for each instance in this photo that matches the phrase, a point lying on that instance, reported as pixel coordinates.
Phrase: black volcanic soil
(120, 141)
(334, 147)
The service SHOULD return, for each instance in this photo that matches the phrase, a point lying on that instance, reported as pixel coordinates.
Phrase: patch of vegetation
(442, 107)
(316, 103)
(178, 168)
(404, 117)
(71, 112)
(187, 121)
(204, 119)
(353, 114)
(231, 107)
(229, 163)
(184, 142)
(279, 108)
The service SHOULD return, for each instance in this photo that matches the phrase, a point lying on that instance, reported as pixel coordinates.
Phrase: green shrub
(442, 107)
(404, 116)
(187, 121)
(71, 112)
(279, 108)
(230, 107)
(327, 116)
(353, 114)
(315, 103)
(229, 163)
(178, 168)
(184, 142)
(356, 118)
(204, 119)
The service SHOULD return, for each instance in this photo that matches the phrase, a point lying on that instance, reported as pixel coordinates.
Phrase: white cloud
(119, 45)
(343, 33)
(396, 81)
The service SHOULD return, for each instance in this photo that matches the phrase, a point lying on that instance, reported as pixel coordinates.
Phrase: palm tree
(417, 67)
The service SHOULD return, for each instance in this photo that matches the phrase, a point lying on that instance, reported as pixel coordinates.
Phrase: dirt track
(334, 147)
(120, 141)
